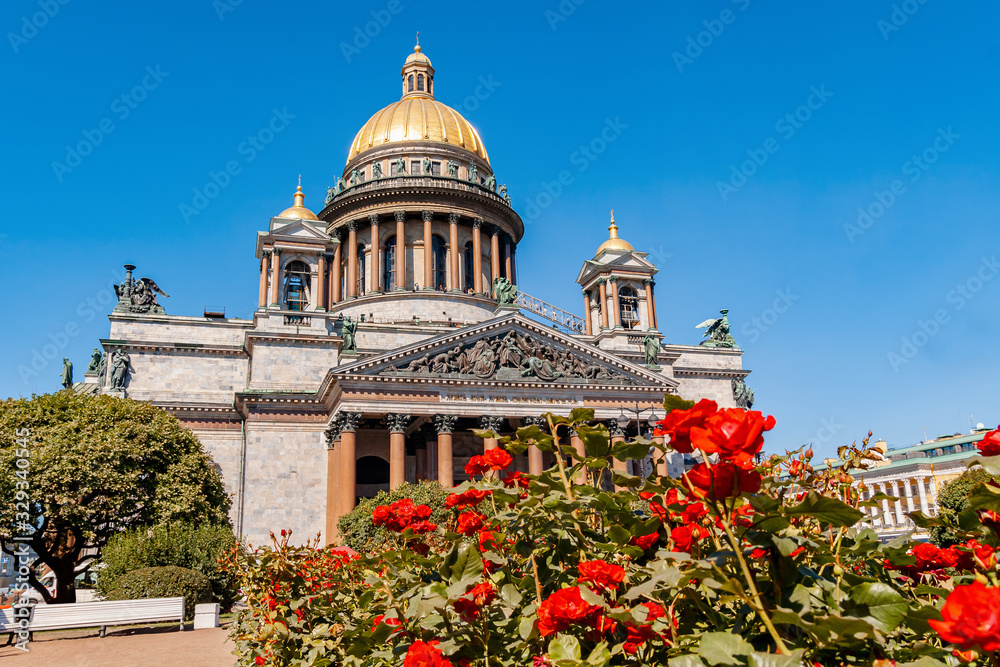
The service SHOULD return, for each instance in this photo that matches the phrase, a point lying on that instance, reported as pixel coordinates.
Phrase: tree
(954, 499)
(96, 465)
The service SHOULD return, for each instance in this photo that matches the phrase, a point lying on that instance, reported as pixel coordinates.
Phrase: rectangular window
(415, 167)
(435, 168)
(394, 169)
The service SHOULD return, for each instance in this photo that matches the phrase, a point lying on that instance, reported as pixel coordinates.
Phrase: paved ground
(124, 647)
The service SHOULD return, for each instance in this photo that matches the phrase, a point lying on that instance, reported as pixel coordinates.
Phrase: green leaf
(886, 607)
(674, 402)
(826, 509)
(982, 498)
(689, 660)
(629, 450)
(923, 521)
(600, 656)
(619, 535)
(510, 596)
(526, 627)
(581, 415)
(758, 659)
(722, 648)
(990, 464)
(564, 647)
(596, 442)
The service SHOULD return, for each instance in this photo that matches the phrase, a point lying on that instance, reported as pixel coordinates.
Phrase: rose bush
(742, 562)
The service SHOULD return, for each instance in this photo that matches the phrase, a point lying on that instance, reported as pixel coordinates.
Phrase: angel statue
(504, 291)
(138, 296)
(717, 334)
(348, 332)
(742, 394)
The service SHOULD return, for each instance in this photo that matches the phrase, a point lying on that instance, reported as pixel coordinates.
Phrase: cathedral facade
(388, 326)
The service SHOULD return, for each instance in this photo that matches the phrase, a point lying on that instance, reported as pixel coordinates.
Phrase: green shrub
(953, 498)
(180, 545)
(357, 530)
(164, 582)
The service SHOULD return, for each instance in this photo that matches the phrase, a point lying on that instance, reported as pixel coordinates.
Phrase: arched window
(420, 82)
(430, 85)
(296, 285)
(389, 265)
(628, 306)
(361, 269)
(409, 84)
(440, 257)
(470, 280)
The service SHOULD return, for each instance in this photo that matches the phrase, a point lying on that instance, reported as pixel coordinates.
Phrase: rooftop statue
(504, 291)
(473, 173)
(452, 169)
(348, 331)
(717, 334)
(120, 364)
(742, 394)
(377, 170)
(67, 373)
(491, 183)
(95, 361)
(651, 346)
(427, 165)
(138, 296)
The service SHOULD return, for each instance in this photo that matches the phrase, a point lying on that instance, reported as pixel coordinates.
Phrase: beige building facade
(380, 339)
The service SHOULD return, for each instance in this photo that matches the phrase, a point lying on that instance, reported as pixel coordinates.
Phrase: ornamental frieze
(511, 357)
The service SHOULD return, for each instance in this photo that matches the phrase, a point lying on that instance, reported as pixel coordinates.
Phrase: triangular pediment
(630, 261)
(301, 230)
(509, 349)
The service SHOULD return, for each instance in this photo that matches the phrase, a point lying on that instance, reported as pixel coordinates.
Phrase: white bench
(94, 614)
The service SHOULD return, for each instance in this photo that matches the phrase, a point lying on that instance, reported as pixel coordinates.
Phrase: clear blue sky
(848, 296)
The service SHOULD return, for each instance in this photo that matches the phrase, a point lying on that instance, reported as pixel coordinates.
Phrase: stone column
(332, 484)
(490, 423)
(455, 283)
(898, 505)
(400, 250)
(604, 303)
(662, 468)
(617, 435)
(586, 313)
(347, 460)
(321, 282)
(275, 277)
(908, 492)
(934, 498)
(477, 256)
(650, 306)
(535, 462)
(376, 259)
(335, 274)
(922, 494)
(428, 217)
(614, 301)
(886, 515)
(265, 259)
(352, 259)
(445, 466)
(508, 267)
(494, 254)
(513, 263)
(576, 442)
(397, 448)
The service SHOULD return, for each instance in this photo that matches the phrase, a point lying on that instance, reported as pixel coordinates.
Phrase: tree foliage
(953, 498)
(163, 582)
(97, 465)
(357, 530)
(182, 545)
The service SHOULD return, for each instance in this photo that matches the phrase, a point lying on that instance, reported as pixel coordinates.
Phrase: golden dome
(298, 211)
(613, 242)
(417, 116)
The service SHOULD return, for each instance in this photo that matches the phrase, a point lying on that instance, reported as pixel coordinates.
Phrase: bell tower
(418, 75)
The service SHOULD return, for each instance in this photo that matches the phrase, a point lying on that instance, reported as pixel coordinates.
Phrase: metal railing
(402, 181)
(550, 312)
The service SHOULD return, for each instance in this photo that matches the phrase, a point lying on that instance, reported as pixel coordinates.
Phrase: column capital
(453, 218)
(397, 422)
(495, 231)
(585, 293)
(332, 433)
(649, 281)
(427, 215)
(276, 251)
(490, 423)
(536, 421)
(477, 223)
(352, 225)
(373, 219)
(445, 423)
(266, 253)
(399, 215)
(613, 279)
(614, 429)
(601, 281)
(348, 421)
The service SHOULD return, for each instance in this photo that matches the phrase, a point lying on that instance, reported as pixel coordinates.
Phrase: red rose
(685, 537)
(380, 515)
(735, 434)
(466, 499)
(678, 423)
(515, 478)
(645, 541)
(600, 625)
(722, 480)
(475, 598)
(694, 512)
(600, 575)
(425, 654)
(930, 557)
(391, 622)
(421, 527)
(990, 444)
(562, 609)
(971, 617)
(470, 522)
(497, 459)
(640, 633)
(259, 660)
(488, 541)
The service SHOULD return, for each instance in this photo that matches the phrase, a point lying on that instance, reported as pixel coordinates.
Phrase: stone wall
(289, 364)
(171, 375)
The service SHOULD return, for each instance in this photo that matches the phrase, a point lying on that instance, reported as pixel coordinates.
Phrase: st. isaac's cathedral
(388, 327)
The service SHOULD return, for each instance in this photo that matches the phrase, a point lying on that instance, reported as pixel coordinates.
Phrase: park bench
(96, 614)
